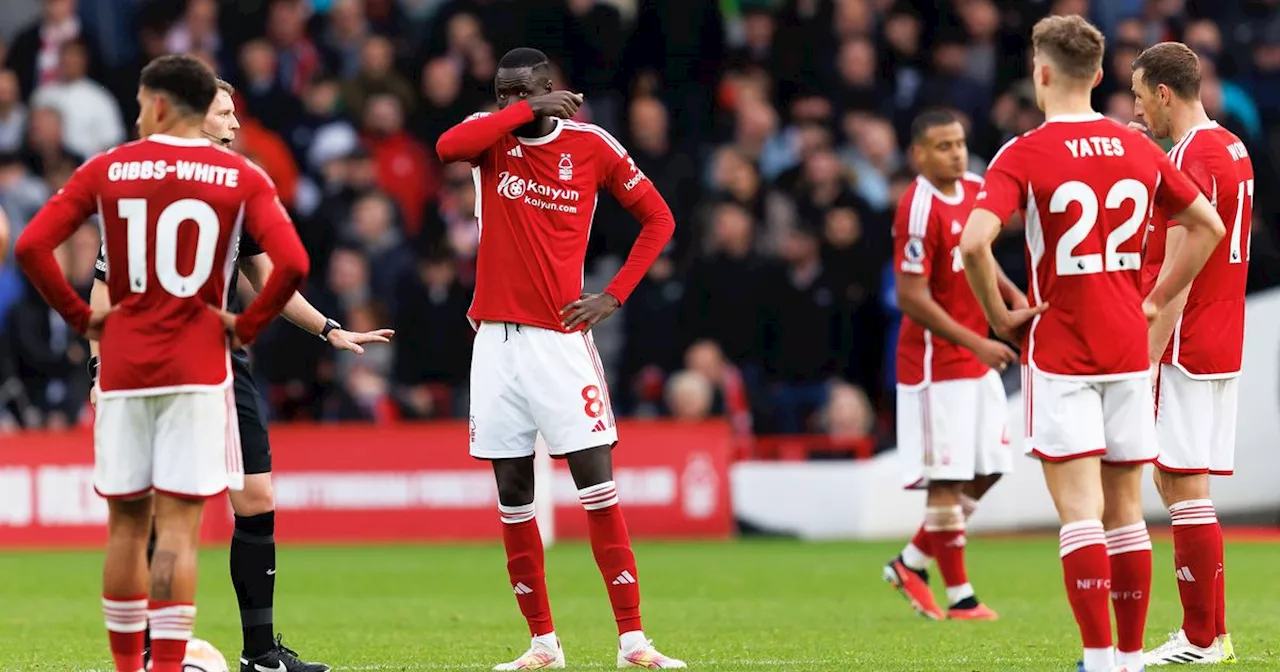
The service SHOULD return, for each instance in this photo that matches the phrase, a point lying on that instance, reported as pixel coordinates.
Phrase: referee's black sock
(253, 573)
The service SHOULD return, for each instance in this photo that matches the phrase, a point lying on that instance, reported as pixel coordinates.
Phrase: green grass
(722, 606)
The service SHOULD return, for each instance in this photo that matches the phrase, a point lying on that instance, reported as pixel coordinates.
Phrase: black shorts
(254, 444)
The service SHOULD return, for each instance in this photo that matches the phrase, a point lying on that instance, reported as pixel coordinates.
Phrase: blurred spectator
(13, 114)
(730, 391)
(197, 30)
(651, 328)
(689, 396)
(376, 76)
(298, 58)
(47, 152)
(433, 342)
(801, 332)
(848, 413)
(91, 120)
(36, 51)
(265, 99)
(442, 99)
(405, 169)
(345, 34)
(724, 285)
(373, 228)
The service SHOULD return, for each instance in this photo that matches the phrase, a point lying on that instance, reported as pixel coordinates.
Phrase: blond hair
(1073, 45)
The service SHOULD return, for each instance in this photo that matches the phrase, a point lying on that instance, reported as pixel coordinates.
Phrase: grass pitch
(743, 605)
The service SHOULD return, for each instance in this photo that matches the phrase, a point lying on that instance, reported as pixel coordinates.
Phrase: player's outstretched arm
(1202, 230)
(302, 314)
(472, 137)
(982, 272)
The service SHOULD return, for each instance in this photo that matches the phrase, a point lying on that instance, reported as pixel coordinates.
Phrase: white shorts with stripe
(953, 430)
(1196, 423)
(528, 380)
(1069, 418)
(185, 444)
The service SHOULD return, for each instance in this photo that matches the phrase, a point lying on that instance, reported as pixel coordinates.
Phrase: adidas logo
(522, 589)
(956, 227)
(599, 426)
(516, 152)
(958, 542)
(624, 578)
(1184, 574)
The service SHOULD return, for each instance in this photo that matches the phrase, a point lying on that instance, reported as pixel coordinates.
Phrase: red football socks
(1087, 575)
(1197, 557)
(1129, 548)
(171, 626)
(944, 527)
(526, 565)
(611, 546)
(126, 619)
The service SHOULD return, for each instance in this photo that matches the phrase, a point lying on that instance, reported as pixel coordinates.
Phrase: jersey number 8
(1074, 191)
(134, 212)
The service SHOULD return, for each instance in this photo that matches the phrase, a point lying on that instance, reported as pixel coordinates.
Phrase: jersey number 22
(1068, 262)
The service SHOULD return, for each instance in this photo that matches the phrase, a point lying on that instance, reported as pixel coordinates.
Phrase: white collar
(178, 142)
(555, 133)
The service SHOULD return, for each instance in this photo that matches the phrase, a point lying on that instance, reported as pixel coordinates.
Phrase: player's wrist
(330, 325)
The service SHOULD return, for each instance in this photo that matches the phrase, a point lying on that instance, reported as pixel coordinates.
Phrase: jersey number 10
(1074, 191)
(134, 212)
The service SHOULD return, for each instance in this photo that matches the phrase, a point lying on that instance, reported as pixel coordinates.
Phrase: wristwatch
(329, 325)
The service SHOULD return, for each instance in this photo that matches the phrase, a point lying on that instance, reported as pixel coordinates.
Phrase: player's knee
(591, 467)
(1176, 488)
(257, 497)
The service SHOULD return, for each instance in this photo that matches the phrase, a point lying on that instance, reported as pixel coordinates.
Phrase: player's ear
(1097, 79)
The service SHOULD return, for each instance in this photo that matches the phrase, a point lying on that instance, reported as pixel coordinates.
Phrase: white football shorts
(1196, 423)
(526, 380)
(185, 444)
(953, 430)
(1069, 418)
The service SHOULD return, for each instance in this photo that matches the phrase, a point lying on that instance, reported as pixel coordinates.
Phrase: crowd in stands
(775, 130)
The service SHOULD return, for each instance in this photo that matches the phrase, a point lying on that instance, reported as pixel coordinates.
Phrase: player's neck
(538, 128)
(947, 188)
(1067, 104)
(182, 130)
(1183, 118)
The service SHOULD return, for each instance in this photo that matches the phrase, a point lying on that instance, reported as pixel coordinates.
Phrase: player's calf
(124, 590)
(172, 610)
(1129, 552)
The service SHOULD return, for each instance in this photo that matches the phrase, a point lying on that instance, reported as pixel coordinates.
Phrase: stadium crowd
(777, 131)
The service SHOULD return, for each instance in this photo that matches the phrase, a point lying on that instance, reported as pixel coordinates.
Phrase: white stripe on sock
(516, 514)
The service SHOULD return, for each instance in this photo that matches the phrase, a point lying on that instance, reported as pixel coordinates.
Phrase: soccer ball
(202, 657)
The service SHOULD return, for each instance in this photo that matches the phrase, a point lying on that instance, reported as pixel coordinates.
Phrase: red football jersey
(926, 240)
(171, 211)
(535, 200)
(1086, 186)
(1208, 340)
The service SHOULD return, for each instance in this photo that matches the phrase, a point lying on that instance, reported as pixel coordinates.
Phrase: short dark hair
(187, 82)
(224, 85)
(927, 120)
(524, 57)
(1173, 64)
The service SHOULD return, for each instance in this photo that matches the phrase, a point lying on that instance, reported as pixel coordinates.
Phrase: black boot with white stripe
(1179, 651)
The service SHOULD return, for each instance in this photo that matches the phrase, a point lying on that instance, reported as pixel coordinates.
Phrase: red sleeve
(622, 178)
(57, 221)
(656, 226)
(469, 139)
(1175, 192)
(913, 246)
(269, 224)
(1004, 188)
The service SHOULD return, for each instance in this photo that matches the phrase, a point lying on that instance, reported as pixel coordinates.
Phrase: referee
(253, 550)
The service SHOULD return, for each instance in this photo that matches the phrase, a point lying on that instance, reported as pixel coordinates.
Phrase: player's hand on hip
(995, 354)
(563, 104)
(588, 310)
(229, 323)
(1015, 322)
(93, 396)
(341, 339)
(97, 320)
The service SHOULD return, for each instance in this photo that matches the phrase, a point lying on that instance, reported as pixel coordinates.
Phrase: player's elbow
(26, 250)
(972, 248)
(447, 150)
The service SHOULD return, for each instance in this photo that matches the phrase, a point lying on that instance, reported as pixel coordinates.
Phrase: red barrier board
(400, 483)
